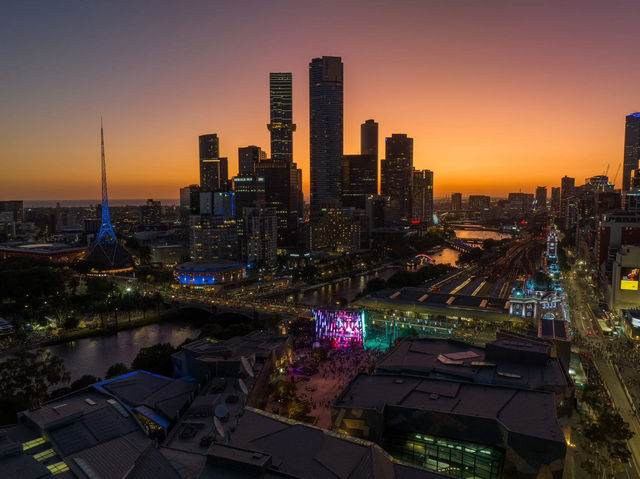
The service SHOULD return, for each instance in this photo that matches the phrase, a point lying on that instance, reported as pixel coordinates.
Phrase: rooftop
(256, 342)
(40, 248)
(511, 360)
(503, 404)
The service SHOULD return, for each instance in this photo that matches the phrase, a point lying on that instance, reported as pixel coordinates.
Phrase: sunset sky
(499, 96)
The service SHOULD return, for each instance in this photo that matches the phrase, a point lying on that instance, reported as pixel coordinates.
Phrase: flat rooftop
(421, 299)
(256, 342)
(502, 404)
(504, 364)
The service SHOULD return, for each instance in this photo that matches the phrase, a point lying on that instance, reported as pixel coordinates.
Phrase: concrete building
(631, 149)
(456, 201)
(555, 200)
(359, 179)
(248, 159)
(541, 198)
(422, 196)
(396, 171)
(214, 170)
(151, 212)
(259, 237)
(213, 237)
(625, 278)
(479, 202)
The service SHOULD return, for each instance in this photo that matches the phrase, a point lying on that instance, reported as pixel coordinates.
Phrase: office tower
(214, 171)
(326, 132)
(151, 213)
(218, 203)
(213, 237)
(281, 108)
(555, 200)
(568, 186)
(456, 201)
(422, 209)
(258, 236)
(479, 202)
(249, 190)
(541, 198)
(369, 138)
(631, 149)
(248, 159)
(359, 179)
(397, 173)
(282, 192)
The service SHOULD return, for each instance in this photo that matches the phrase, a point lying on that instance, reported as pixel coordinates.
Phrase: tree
(155, 359)
(25, 379)
(117, 369)
(84, 381)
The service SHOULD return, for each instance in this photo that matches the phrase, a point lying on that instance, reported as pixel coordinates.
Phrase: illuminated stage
(343, 328)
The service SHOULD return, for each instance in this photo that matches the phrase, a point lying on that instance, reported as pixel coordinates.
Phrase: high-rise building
(423, 196)
(456, 201)
(282, 192)
(369, 138)
(249, 190)
(397, 173)
(248, 159)
(359, 179)
(281, 108)
(541, 198)
(151, 212)
(555, 199)
(213, 237)
(631, 149)
(479, 202)
(214, 170)
(259, 236)
(567, 190)
(326, 131)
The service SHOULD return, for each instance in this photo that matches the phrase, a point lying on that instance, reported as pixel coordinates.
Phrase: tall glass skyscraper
(369, 138)
(214, 171)
(631, 149)
(326, 131)
(397, 174)
(281, 126)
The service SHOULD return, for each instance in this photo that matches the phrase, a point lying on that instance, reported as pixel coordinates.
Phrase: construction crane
(617, 171)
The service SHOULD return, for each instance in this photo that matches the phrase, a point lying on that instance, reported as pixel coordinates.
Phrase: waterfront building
(397, 173)
(326, 132)
(422, 196)
(248, 159)
(213, 237)
(209, 273)
(359, 179)
(214, 170)
(281, 125)
(631, 149)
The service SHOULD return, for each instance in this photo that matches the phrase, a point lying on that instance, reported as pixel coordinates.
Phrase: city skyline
(61, 77)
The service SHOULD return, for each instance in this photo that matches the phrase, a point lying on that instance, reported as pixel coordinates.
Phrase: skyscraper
(248, 159)
(555, 199)
(326, 131)
(281, 125)
(359, 179)
(541, 198)
(397, 173)
(631, 149)
(369, 138)
(422, 209)
(214, 171)
(567, 188)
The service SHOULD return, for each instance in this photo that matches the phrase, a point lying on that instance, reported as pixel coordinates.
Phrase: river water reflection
(95, 355)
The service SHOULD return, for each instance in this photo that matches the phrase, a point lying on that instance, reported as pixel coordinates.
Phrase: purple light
(342, 328)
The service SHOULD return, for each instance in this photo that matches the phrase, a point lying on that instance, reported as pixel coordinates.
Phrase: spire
(106, 234)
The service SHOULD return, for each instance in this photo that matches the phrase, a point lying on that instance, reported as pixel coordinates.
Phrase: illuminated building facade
(207, 273)
(625, 278)
(631, 149)
(397, 173)
(342, 328)
(248, 159)
(213, 237)
(338, 230)
(214, 171)
(326, 132)
(539, 298)
(151, 212)
(259, 236)
(422, 209)
(281, 111)
(249, 190)
(359, 179)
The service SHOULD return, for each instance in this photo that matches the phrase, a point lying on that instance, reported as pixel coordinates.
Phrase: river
(94, 355)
